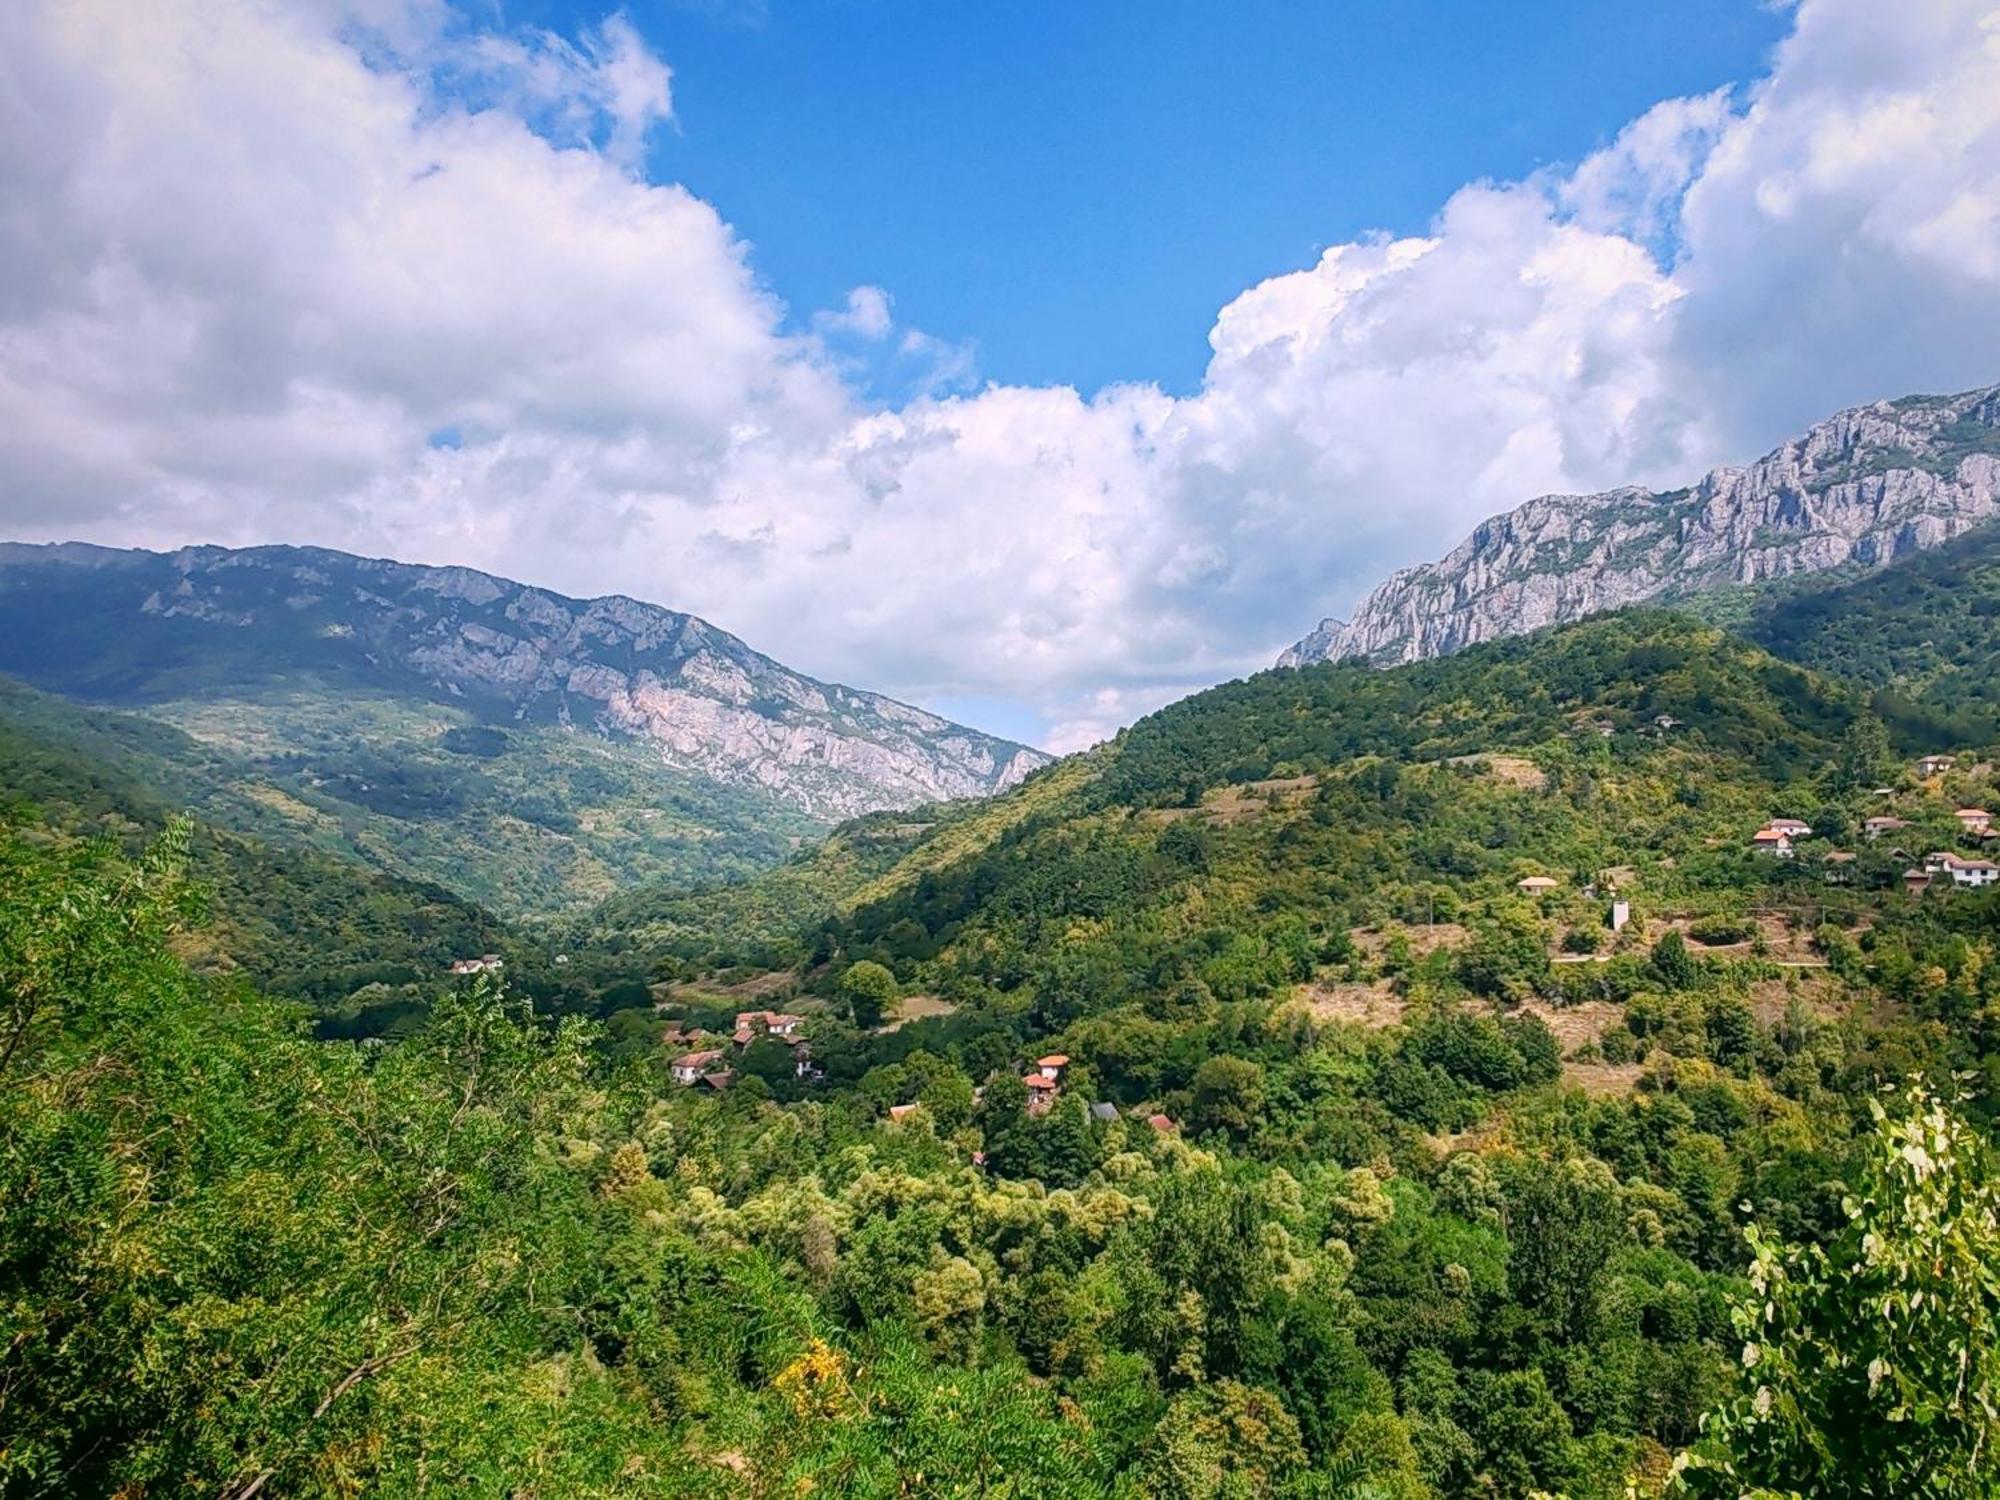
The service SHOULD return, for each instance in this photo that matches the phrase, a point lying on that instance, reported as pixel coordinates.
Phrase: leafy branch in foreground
(1869, 1366)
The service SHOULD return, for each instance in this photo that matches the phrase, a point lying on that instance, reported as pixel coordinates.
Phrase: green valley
(1345, 1082)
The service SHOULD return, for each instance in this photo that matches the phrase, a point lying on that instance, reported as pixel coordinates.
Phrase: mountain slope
(524, 748)
(299, 922)
(1331, 796)
(1870, 485)
(1923, 633)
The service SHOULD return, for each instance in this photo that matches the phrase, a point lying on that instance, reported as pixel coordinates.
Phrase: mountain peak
(1866, 486)
(131, 626)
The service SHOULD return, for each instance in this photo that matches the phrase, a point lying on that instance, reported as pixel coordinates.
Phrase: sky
(1036, 363)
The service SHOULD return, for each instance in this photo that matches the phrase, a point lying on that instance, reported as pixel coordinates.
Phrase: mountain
(1373, 1148)
(298, 922)
(1923, 633)
(1326, 795)
(1870, 485)
(526, 749)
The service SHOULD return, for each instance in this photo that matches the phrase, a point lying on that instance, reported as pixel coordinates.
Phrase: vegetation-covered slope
(452, 726)
(296, 921)
(1924, 633)
(1370, 1204)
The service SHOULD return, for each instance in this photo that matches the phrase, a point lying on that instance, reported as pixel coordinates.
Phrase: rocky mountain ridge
(1865, 487)
(139, 628)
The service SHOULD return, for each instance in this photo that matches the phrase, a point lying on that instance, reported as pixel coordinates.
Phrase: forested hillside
(1366, 1084)
(1925, 634)
(531, 752)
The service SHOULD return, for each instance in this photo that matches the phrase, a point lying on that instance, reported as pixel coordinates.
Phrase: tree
(1871, 1366)
(1221, 1441)
(867, 987)
(1672, 963)
(1228, 1093)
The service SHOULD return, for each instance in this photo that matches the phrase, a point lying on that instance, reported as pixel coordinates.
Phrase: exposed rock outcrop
(1859, 490)
(129, 626)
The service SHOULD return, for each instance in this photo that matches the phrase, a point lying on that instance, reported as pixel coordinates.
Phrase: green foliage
(868, 988)
(1869, 1364)
(1924, 633)
(1350, 1228)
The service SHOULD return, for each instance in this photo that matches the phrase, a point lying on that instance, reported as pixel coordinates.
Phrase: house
(690, 1067)
(1536, 883)
(1773, 842)
(1162, 1124)
(1621, 913)
(1916, 882)
(1974, 819)
(767, 1023)
(719, 1080)
(1104, 1112)
(1968, 872)
(1934, 765)
(1051, 1066)
(1837, 867)
(1664, 722)
(486, 963)
(1874, 828)
(1974, 872)
(1041, 1093)
(1791, 827)
(902, 1111)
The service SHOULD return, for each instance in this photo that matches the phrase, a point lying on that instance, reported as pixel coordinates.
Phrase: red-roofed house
(690, 1068)
(1041, 1092)
(1772, 841)
(1974, 819)
(1162, 1123)
(1051, 1066)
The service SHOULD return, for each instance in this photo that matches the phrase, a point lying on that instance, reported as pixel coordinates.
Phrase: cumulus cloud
(363, 273)
(866, 315)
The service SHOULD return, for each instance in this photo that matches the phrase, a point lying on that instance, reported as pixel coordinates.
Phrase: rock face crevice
(1859, 490)
(133, 626)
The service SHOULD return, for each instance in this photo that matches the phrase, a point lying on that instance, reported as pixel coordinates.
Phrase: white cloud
(866, 315)
(257, 258)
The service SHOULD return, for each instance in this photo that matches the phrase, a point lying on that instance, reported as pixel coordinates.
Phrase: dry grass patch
(1509, 770)
(1603, 1080)
(918, 1008)
(1376, 1005)
(1373, 942)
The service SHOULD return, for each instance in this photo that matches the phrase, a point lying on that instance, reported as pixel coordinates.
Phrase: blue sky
(555, 288)
(1078, 187)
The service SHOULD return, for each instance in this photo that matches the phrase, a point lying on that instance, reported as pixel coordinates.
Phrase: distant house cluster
(486, 963)
(708, 1064)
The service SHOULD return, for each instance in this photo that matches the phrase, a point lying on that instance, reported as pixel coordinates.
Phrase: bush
(1718, 931)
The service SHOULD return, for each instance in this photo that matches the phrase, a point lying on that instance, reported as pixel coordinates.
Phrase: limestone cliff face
(138, 626)
(1862, 489)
